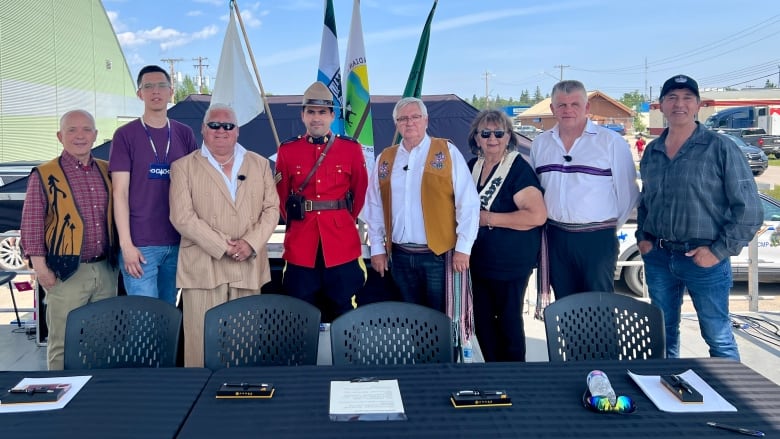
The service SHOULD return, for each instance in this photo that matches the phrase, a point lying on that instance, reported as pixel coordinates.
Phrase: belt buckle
(308, 206)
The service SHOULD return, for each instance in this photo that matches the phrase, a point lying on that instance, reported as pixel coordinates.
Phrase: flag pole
(257, 74)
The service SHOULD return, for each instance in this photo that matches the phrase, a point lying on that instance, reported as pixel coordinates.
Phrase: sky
(477, 47)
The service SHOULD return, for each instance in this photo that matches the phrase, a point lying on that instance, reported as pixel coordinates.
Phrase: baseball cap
(680, 81)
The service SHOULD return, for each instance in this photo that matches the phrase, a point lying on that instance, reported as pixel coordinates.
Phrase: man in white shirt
(422, 210)
(589, 181)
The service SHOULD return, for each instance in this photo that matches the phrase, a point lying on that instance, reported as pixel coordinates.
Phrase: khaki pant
(195, 303)
(90, 283)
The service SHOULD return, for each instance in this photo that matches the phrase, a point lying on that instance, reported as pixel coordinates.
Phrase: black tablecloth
(115, 403)
(546, 402)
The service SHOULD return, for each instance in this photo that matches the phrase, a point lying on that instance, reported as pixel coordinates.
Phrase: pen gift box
(480, 398)
(681, 389)
(34, 394)
(245, 391)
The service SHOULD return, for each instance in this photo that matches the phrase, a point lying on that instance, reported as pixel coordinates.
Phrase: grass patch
(774, 193)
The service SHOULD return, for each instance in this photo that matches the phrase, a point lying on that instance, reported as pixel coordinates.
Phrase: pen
(682, 383)
(244, 385)
(31, 390)
(746, 431)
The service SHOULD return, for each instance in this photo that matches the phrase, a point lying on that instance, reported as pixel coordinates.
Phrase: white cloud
(166, 37)
(195, 13)
(113, 17)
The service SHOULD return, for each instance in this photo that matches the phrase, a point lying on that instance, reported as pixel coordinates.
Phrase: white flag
(234, 85)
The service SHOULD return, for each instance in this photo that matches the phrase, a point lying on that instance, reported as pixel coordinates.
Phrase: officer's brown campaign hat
(317, 95)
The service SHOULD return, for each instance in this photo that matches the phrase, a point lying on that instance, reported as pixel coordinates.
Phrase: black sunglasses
(485, 134)
(227, 126)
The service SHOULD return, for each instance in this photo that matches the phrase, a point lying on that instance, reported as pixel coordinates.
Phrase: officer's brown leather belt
(310, 205)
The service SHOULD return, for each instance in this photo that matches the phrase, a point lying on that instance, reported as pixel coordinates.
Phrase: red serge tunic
(344, 169)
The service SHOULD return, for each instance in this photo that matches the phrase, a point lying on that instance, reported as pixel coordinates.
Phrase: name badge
(159, 171)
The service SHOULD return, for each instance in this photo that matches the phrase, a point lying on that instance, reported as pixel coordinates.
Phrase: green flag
(414, 83)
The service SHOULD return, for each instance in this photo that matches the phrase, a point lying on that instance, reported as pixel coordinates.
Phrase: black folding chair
(391, 333)
(604, 326)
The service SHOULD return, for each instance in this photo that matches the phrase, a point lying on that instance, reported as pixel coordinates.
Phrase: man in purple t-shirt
(141, 155)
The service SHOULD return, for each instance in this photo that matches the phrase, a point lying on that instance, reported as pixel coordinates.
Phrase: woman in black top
(507, 245)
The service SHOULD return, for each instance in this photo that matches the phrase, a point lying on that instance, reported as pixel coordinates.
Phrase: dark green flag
(414, 83)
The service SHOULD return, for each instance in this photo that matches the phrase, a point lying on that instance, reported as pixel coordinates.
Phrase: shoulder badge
(291, 139)
(341, 136)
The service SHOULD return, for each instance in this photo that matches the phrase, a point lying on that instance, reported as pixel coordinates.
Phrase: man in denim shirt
(699, 206)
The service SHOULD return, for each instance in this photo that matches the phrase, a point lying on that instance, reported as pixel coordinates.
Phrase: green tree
(538, 96)
(188, 87)
(769, 84)
(633, 101)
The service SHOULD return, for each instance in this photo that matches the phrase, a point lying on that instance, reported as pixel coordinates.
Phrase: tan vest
(437, 193)
(64, 227)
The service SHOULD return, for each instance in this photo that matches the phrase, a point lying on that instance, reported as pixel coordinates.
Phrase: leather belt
(682, 247)
(310, 205)
(95, 259)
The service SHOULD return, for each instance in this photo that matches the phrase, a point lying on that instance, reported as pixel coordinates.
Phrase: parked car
(529, 131)
(616, 127)
(756, 158)
(756, 137)
(768, 251)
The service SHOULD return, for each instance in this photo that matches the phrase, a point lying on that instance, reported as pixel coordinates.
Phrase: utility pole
(172, 71)
(561, 66)
(487, 80)
(200, 67)
(646, 95)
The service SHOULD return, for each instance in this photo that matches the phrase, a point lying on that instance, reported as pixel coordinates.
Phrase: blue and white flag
(330, 69)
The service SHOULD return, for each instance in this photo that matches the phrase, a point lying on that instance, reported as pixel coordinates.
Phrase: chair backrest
(391, 333)
(123, 331)
(603, 326)
(261, 330)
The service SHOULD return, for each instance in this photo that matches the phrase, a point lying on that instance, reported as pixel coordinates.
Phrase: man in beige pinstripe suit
(225, 206)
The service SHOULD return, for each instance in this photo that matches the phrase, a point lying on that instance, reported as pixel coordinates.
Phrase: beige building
(57, 56)
(603, 110)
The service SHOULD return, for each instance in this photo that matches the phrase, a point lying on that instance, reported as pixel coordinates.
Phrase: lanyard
(151, 142)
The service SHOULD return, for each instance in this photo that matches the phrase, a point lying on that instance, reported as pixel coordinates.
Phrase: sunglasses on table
(227, 126)
(601, 404)
(485, 134)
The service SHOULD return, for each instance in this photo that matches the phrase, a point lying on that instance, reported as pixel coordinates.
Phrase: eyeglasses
(601, 404)
(485, 134)
(152, 85)
(227, 126)
(404, 119)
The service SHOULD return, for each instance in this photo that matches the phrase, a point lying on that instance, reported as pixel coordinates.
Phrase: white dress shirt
(238, 159)
(406, 193)
(598, 184)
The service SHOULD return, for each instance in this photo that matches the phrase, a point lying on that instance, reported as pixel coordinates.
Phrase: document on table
(366, 401)
(75, 382)
(667, 402)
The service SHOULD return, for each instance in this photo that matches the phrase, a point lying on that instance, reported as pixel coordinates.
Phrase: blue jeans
(419, 277)
(668, 274)
(159, 278)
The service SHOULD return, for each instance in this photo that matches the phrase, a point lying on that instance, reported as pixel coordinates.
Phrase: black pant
(498, 316)
(582, 261)
(328, 288)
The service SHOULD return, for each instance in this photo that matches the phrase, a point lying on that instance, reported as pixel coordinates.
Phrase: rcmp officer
(322, 248)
